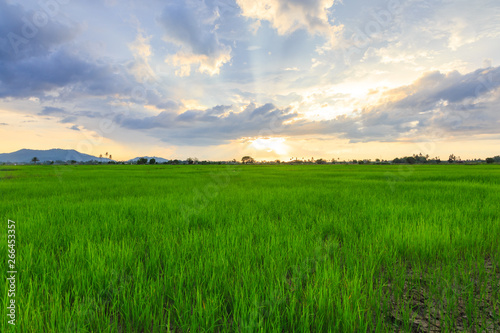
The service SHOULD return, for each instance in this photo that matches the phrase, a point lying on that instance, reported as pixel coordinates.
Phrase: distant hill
(158, 159)
(26, 155)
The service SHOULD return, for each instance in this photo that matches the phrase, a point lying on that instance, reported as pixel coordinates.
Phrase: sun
(276, 145)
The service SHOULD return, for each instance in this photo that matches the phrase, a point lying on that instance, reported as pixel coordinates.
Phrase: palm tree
(35, 159)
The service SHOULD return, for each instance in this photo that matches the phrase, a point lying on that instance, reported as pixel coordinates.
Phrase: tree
(320, 161)
(247, 159)
(152, 161)
(411, 160)
(142, 160)
(452, 158)
(490, 160)
(35, 159)
(421, 158)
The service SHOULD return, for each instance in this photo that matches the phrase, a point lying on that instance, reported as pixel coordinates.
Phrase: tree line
(413, 159)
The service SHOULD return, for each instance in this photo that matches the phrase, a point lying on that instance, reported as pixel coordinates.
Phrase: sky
(273, 79)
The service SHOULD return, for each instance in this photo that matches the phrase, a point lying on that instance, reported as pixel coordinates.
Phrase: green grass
(326, 248)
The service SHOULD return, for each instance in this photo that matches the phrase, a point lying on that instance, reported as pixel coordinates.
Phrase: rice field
(284, 248)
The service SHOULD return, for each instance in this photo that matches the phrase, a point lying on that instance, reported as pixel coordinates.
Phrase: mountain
(158, 159)
(26, 155)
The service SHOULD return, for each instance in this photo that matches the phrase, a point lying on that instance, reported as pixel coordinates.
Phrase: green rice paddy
(284, 248)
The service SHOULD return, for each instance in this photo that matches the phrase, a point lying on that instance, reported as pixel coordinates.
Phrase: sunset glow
(196, 78)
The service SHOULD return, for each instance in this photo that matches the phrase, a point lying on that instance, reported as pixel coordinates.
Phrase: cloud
(192, 26)
(23, 36)
(70, 119)
(4, 124)
(464, 24)
(42, 62)
(217, 125)
(163, 120)
(254, 48)
(287, 16)
(436, 104)
(50, 64)
(421, 33)
(52, 111)
(452, 88)
(141, 50)
(38, 76)
(75, 128)
(84, 76)
(448, 104)
(207, 64)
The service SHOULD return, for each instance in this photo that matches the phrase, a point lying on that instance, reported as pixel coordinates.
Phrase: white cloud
(192, 26)
(206, 64)
(254, 27)
(288, 16)
(141, 50)
(254, 48)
